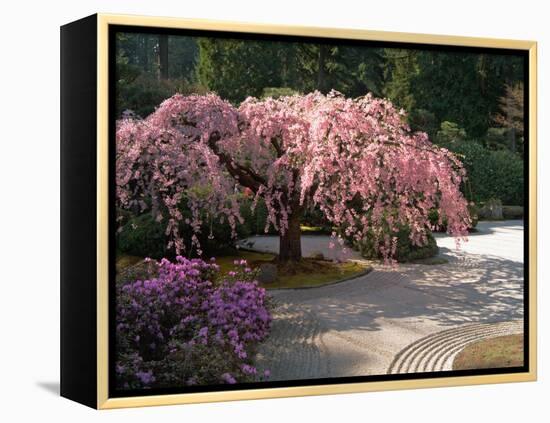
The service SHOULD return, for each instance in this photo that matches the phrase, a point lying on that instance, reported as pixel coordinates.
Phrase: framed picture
(253, 211)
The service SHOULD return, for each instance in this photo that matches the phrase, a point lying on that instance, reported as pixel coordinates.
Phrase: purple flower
(227, 378)
(246, 368)
(145, 377)
(174, 311)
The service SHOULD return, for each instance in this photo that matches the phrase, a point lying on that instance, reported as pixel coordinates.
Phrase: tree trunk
(163, 56)
(290, 244)
(321, 76)
(145, 53)
(512, 139)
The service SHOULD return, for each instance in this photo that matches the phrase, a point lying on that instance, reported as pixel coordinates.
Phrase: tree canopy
(354, 159)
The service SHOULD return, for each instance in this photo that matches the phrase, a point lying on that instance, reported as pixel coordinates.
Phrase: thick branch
(277, 147)
(246, 176)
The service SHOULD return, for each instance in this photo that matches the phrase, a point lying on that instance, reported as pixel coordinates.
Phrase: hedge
(491, 174)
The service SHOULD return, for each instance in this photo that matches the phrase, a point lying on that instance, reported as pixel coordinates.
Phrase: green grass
(503, 351)
(307, 273)
(314, 230)
(311, 273)
(305, 228)
(254, 260)
(123, 261)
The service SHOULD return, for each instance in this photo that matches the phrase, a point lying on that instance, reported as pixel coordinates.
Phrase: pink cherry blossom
(354, 159)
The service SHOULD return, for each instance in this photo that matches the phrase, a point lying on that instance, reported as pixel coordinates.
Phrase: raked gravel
(376, 323)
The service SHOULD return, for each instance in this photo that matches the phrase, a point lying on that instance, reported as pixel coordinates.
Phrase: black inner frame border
(113, 392)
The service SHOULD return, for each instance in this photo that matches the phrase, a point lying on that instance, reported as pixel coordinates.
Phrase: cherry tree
(354, 159)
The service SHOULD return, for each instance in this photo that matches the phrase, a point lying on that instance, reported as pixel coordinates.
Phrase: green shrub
(491, 174)
(423, 120)
(512, 212)
(144, 92)
(497, 138)
(507, 172)
(142, 236)
(491, 210)
(450, 133)
(276, 92)
(406, 251)
(254, 221)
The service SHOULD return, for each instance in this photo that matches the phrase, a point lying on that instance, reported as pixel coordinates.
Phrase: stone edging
(349, 278)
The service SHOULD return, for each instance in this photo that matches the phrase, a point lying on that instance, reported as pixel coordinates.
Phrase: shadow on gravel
(469, 289)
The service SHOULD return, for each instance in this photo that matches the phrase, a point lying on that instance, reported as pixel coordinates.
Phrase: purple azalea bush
(186, 325)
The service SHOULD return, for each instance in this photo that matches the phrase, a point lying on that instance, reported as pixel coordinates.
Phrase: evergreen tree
(236, 69)
(184, 53)
(400, 69)
(511, 114)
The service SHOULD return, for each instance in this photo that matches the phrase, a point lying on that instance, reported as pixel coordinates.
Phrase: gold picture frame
(103, 21)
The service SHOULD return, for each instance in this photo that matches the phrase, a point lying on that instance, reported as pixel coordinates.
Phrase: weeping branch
(244, 174)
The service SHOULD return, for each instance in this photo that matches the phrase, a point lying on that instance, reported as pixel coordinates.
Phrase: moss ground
(303, 274)
(503, 351)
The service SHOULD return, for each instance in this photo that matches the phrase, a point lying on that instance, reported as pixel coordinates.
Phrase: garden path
(357, 327)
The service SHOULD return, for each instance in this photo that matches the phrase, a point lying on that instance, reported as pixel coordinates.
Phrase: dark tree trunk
(321, 77)
(145, 53)
(512, 139)
(163, 56)
(290, 247)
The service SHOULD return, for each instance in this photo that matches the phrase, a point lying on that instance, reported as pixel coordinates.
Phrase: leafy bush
(141, 93)
(491, 174)
(423, 120)
(142, 236)
(276, 92)
(491, 209)
(512, 212)
(497, 138)
(405, 251)
(507, 171)
(450, 133)
(254, 222)
(186, 326)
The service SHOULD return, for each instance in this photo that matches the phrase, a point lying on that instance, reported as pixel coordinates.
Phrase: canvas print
(295, 211)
